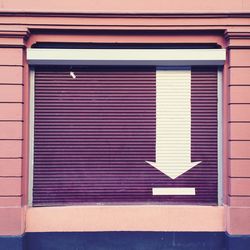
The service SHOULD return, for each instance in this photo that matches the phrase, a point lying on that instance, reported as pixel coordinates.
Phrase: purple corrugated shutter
(94, 133)
(204, 132)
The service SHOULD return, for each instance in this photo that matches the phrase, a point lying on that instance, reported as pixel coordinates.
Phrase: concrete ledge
(126, 218)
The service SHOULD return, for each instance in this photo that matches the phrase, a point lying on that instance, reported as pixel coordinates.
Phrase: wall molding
(118, 14)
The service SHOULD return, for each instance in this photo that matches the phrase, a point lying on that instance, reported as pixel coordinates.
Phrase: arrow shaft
(173, 116)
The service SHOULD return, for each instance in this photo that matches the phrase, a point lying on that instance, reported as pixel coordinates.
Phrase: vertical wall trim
(31, 140)
(220, 137)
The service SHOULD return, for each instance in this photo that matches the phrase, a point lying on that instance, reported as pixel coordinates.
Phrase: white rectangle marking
(173, 191)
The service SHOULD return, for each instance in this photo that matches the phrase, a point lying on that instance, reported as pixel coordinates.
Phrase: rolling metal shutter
(93, 135)
(204, 133)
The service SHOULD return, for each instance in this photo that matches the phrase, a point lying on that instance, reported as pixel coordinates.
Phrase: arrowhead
(173, 170)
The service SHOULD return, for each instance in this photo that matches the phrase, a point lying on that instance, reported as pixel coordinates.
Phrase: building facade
(125, 125)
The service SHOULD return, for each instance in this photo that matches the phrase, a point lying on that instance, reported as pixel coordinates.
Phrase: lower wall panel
(12, 243)
(125, 241)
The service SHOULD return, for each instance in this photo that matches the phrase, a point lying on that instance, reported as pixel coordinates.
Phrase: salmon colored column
(11, 127)
(239, 135)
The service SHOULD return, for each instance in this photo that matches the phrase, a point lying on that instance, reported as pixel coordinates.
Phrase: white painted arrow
(173, 122)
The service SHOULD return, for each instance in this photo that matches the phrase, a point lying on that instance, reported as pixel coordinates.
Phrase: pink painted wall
(239, 145)
(18, 32)
(11, 117)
